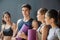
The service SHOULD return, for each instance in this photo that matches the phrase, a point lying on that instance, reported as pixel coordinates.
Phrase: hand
(22, 35)
(18, 34)
(13, 38)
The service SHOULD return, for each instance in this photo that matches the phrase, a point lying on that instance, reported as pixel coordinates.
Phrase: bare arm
(45, 33)
(22, 35)
(14, 27)
(1, 33)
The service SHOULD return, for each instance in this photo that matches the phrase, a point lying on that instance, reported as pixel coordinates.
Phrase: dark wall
(14, 7)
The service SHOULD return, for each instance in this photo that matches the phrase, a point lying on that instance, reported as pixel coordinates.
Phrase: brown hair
(27, 6)
(3, 22)
(43, 10)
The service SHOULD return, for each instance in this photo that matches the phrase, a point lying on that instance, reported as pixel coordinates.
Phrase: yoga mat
(31, 34)
(18, 38)
(24, 29)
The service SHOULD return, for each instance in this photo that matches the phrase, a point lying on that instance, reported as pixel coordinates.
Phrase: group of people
(49, 28)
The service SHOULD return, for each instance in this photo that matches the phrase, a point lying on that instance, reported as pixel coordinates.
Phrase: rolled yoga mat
(31, 34)
(23, 29)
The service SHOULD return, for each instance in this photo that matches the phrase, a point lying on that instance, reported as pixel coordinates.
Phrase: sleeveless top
(39, 34)
(8, 32)
(21, 22)
(38, 31)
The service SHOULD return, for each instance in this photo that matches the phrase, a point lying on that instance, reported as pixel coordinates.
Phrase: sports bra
(8, 32)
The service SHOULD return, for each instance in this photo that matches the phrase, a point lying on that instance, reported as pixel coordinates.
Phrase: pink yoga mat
(31, 34)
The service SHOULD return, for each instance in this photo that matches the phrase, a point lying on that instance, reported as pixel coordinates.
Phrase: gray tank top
(54, 34)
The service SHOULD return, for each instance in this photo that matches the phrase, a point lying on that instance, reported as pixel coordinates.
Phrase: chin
(38, 19)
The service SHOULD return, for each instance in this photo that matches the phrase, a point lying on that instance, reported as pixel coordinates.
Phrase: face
(6, 18)
(47, 19)
(35, 24)
(25, 12)
(40, 17)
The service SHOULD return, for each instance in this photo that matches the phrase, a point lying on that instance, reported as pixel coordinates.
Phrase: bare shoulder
(46, 27)
(2, 26)
(14, 24)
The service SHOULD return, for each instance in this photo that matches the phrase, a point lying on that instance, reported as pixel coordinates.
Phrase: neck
(26, 18)
(42, 21)
(53, 25)
(8, 23)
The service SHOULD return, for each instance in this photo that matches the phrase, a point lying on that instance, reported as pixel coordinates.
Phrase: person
(9, 28)
(26, 8)
(35, 25)
(51, 18)
(42, 31)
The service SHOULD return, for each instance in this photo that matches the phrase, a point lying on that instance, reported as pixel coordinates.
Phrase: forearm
(44, 38)
(14, 33)
(45, 33)
(26, 38)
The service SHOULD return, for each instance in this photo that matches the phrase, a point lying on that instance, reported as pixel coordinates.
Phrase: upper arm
(14, 27)
(2, 28)
(44, 33)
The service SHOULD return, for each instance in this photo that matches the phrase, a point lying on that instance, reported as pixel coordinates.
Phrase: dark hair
(43, 11)
(27, 6)
(53, 14)
(3, 22)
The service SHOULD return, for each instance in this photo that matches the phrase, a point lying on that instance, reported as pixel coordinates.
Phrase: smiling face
(25, 11)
